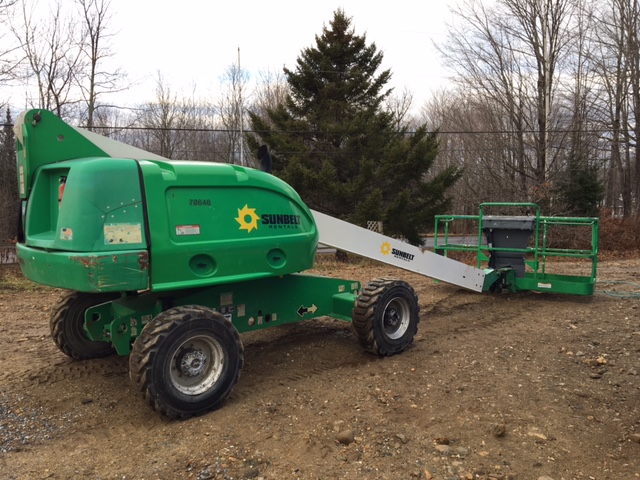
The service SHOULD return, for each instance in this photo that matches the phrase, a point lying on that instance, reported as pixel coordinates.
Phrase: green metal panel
(94, 239)
(249, 305)
(208, 224)
(571, 284)
(101, 208)
(86, 272)
(41, 139)
(216, 223)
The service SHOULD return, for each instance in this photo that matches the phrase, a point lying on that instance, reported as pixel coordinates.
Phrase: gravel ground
(501, 387)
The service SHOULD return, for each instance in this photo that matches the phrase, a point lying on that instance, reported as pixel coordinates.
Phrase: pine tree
(333, 141)
(580, 189)
(8, 182)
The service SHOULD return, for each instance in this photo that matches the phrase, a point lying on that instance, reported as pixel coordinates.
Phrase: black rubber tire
(67, 325)
(386, 316)
(186, 361)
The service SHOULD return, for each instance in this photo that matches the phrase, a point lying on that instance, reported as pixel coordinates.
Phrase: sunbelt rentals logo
(386, 249)
(248, 220)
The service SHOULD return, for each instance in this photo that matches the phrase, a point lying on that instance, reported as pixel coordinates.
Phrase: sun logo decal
(250, 214)
(385, 249)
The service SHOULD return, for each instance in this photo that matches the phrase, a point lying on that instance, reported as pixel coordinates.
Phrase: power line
(409, 132)
(298, 132)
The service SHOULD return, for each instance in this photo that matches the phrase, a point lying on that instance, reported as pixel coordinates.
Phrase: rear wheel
(67, 325)
(186, 361)
(386, 316)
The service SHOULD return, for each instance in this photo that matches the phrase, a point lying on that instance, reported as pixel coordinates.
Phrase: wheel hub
(191, 363)
(196, 365)
(396, 318)
(393, 318)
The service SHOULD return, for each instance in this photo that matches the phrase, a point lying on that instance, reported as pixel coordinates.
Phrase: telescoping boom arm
(365, 243)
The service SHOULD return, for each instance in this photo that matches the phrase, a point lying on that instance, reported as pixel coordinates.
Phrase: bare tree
(201, 139)
(271, 91)
(615, 63)
(631, 19)
(94, 80)
(230, 106)
(177, 128)
(579, 92)
(507, 58)
(52, 55)
(400, 106)
(161, 117)
(474, 133)
(543, 29)
(9, 49)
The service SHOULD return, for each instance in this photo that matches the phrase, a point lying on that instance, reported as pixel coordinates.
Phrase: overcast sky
(195, 41)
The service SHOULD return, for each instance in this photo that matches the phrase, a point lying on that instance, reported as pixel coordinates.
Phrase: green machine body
(93, 222)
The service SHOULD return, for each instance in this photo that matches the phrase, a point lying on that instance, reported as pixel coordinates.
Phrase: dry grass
(11, 279)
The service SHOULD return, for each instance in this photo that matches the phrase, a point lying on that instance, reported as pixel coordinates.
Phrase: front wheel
(386, 316)
(186, 361)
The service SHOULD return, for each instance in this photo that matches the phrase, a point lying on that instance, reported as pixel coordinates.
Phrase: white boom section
(360, 241)
(116, 149)
(112, 148)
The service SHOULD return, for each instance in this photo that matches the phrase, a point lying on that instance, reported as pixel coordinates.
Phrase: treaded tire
(386, 316)
(67, 325)
(186, 361)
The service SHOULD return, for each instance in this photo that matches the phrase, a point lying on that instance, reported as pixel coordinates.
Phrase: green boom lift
(169, 261)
